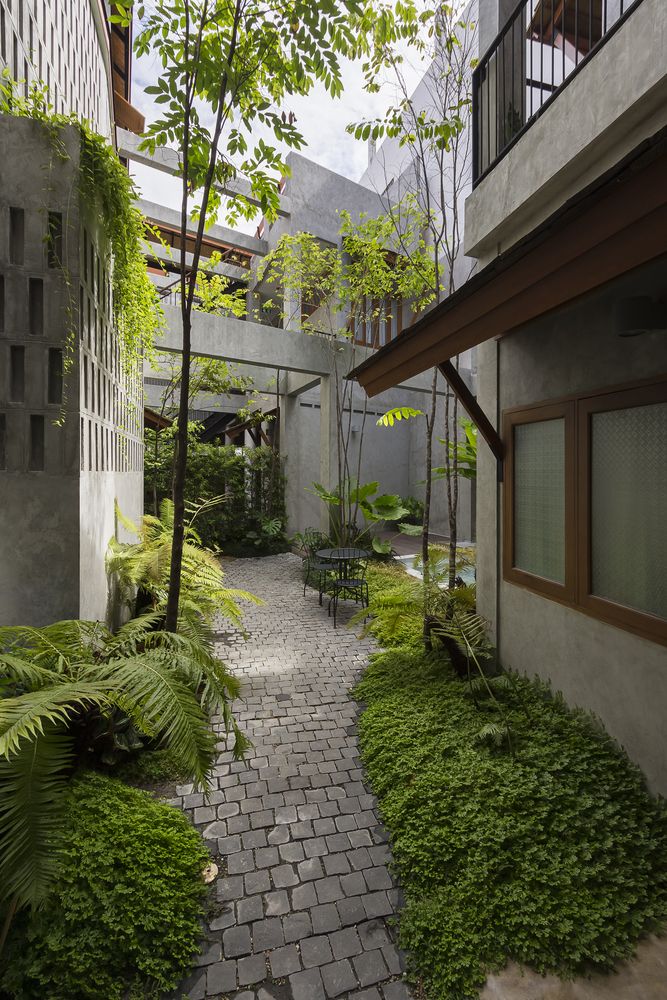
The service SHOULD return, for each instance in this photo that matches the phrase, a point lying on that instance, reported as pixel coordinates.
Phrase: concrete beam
(294, 385)
(167, 160)
(170, 217)
(247, 343)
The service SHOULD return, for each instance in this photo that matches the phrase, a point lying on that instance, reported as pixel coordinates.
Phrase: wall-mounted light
(639, 314)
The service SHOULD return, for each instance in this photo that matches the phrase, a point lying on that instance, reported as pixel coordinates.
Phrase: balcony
(542, 47)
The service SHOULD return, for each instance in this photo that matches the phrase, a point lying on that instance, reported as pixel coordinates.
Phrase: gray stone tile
(284, 961)
(267, 934)
(307, 985)
(396, 991)
(370, 968)
(315, 951)
(249, 909)
(236, 941)
(297, 926)
(345, 943)
(276, 903)
(338, 978)
(251, 970)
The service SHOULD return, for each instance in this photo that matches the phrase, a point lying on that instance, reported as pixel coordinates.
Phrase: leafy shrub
(126, 908)
(71, 690)
(142, 570)
(151, 767)
(415, 509)
(395, 607)
(555, 858)
(251, 480)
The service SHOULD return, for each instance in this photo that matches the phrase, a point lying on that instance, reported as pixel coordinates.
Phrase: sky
(321, 120)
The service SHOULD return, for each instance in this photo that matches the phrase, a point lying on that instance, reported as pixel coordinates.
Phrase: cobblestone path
(303, 904)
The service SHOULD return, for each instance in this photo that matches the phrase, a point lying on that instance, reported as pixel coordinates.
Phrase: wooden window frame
(576, 592)
(631, 619)
(515, 418)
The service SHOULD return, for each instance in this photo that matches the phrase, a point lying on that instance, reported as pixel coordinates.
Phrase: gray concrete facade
(620, 676)
(72, 444)
(617, 99)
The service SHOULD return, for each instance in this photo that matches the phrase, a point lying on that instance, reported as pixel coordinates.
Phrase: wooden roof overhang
(614, 225)
(156, 420)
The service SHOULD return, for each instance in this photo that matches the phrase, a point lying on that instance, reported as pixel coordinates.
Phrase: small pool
(467, 574)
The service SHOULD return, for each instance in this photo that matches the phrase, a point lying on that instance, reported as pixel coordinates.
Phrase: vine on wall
(108, 192)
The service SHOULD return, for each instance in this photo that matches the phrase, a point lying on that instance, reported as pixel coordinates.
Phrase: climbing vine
(108, 192)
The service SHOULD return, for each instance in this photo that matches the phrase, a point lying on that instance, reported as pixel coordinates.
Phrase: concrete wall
(55, 522)
(616, 100)
(617, 675)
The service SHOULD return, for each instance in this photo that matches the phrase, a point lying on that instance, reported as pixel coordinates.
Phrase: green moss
(556, 858)
(124, 918)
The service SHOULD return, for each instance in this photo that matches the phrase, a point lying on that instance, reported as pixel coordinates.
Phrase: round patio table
(342, 557)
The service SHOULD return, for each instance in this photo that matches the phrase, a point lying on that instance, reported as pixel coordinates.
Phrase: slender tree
(336, 290)
(227, 67)
(431, 127)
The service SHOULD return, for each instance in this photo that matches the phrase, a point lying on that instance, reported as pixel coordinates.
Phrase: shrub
(555, 858)
(125, 915)
(251, 479)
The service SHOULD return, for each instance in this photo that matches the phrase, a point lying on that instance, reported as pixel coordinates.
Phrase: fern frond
(32, 785)
(25, 717)
(169, 706)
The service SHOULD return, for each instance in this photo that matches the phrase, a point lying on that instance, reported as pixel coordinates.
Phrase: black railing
(542, 46)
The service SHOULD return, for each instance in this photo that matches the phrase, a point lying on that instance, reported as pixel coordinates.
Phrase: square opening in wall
(17, 374)
(36, 443)
(36, 307)
(16, 235)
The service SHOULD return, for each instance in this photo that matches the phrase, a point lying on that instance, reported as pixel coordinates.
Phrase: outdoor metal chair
(312, 565)
(352, 584)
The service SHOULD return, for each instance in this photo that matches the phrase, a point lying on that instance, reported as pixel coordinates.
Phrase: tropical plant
(354, 499)
(142, 571)
(64, 687)
(124, 919)
(462, 454)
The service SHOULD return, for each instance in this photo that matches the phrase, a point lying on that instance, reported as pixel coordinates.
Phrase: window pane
(628, 507)
(539, 498)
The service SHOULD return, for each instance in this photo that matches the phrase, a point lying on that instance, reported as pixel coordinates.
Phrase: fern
(32, 784)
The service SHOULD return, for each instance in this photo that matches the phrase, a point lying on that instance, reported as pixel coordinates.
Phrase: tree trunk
(430, 424)
(178, 491)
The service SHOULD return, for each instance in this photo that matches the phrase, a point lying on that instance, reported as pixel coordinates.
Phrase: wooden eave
(155, 420)
(611, 227)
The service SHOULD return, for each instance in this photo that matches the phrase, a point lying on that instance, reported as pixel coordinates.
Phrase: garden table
(342, 557)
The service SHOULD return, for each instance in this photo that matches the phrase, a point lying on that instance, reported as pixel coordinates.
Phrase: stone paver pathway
(302, 906)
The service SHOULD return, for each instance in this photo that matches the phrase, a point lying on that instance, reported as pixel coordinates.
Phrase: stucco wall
(616, 100)
(619, 676)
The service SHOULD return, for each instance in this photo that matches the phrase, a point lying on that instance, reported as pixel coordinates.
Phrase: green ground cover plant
(554, 856)
(124, 920)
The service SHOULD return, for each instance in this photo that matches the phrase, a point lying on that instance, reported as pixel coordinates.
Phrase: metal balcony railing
(542, 46)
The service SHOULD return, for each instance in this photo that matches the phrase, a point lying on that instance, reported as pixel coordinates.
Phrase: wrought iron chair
(312, 566)
(351, 583)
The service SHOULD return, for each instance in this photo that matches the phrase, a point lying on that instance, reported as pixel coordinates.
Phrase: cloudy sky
(321, 120)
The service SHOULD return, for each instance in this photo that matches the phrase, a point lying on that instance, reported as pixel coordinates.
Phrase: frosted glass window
(539, 498)
(629, 507)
